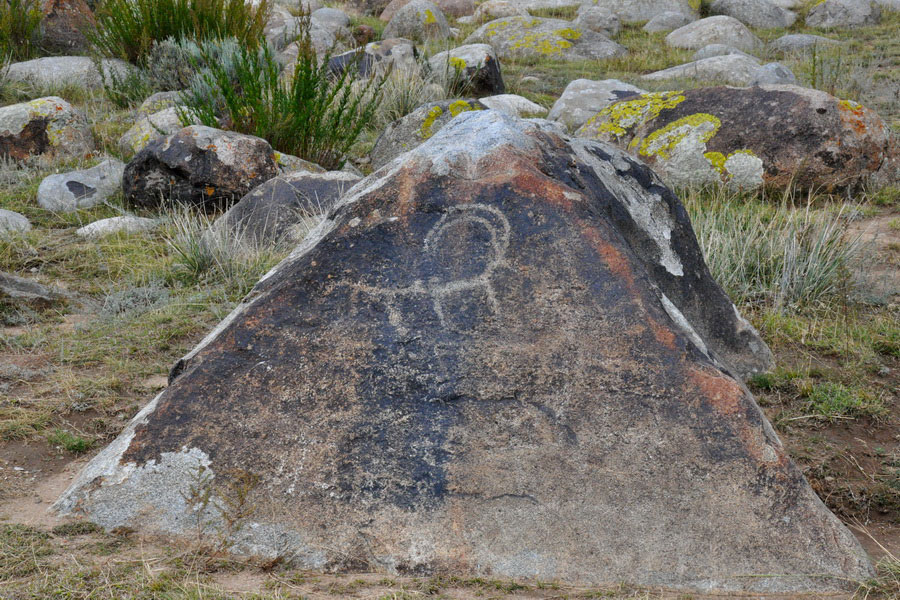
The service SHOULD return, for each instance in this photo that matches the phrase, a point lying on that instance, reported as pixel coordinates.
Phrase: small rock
(762, 14)
(331, 19)
(393, 53)
(584, 98)
(714, 30)
(46, 125)
(774, 73)
(159, 101)
(420, 20)
(667, 21)
(711, 50)
(795, 42)
(13, 222)
(152, 127)
(522, 37)
(113, 225)
(843, 13)
(26, 290)
(637, 11)
(498, 9)
(514, 105)
(474, 67)
(454, 8)
(733, 69)
(601, 20)
(63, 24)
(68, 192)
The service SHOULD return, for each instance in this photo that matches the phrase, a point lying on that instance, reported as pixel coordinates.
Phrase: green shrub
(20, 29)
(834, 401)
(311, 113)
(69, 441)
(129, 28)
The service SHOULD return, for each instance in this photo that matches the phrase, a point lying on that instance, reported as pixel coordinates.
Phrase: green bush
(311, 112)
(20, 29)
(129, 28)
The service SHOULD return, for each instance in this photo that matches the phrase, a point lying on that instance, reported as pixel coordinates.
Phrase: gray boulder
(636, 11)
(798, 42)
(57, 71)
(720, 29)
(47, 125)
(420, 20)
(773, 74)
(667, 21)
(68, 192)
(523, 37)
(474, 68)
(762, 14)
(454, 8)
(718, 50)
(114, 225)
(151, 127)
(398, 54)
(20, 289)
(733, 69)
(408, 132)
(198, 166)
(514, 105)
(498, 9)
(332, 19)
(13, 222)
(601, 20)
(843, 13)
(583, 98)
(157, 102)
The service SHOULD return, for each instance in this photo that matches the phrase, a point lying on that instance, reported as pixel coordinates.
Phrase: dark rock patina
(483, 361)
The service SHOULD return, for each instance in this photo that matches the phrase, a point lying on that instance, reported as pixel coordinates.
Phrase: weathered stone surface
(843, 13)
(152, 127)
(514, 105)
(68, 192)
(584, 98)
(475, 64)
(63, 25)
(711, 50)
(157, 102)
(734, 69)
(332, 19)
(13, 222)
(762, 14)
(550, 38)
(420, 20)
(198, 166)
(454, 8)
(278, 212)
(597, 19)
(667, 21)
(51, 71)
(795, 42)
(774, 74)
(777, 134)
(114, 225)
(44, 126)
(25, 290)
(636, 11)
(393, 53)
(720, 29)
(483, 363)
(498, 9)
(405, 134)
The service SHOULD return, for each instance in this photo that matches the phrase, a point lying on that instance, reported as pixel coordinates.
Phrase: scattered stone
(454, 8)
(711, 50)
(549, 38)
(733, 69)
(68, 192)
(21, 289)
(332, 19)
(584, 98)
(638, 11)
(152, 127)
(795, 42)
(158, 102)
(47, 125)
(597, 19)
(13, 222)
(281, 211)
(63, 25)
(774, 134)
(363, 34)
(198, 166)
(498, 9)
(287, 163)
(475, 65)
(843, 13)
(57, 71)
(408, 132)
(772, 74)
(114, 225)
(514, 105)
(720, 29)
(420, 20)
(281, 28)
(762, 14)
(667, 21)
(554, 319)
(394, 53)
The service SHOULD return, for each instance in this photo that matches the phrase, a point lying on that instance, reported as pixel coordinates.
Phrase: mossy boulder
(521, 37)
(48, 125)
(420, 20)
(474, 68)
(773, 134)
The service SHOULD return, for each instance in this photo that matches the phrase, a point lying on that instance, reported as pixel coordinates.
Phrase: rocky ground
(80, 356)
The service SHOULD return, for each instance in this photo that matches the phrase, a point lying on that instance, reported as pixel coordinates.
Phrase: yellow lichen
(618, 118)
(460, 106)
(662, 142)
(717, 160)
(457, 63)
(429, 17)
(433, 115)
(568, 33)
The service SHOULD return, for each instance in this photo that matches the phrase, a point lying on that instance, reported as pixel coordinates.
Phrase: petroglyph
(455, 272)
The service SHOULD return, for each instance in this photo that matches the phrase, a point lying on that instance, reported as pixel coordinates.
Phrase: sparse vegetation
(20, 29)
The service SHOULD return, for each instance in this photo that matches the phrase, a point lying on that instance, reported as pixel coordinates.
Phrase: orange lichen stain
(723, 393)
(617, 263)
(853, 115)
(663, 334)
(211, 147)
(210, 190)
(535, 184)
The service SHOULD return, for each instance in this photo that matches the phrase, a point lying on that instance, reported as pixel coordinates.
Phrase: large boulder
(408, 132)
(454, 8)
(47, 125)
(58, 71)
(498, 9)
(514, 37)
(775, 134)
(392, 53)
(667, 21)
(498, 356)
(63, 24)
(86, 188)
(279, 212)
(13, 222)
(584, 98)
(733, 69)
(799, 42)
(198, 166)
(474, 69)
(720, 29)
(597, 19)
(637, 11)
(843, 13)
(420, 20)
(762, 14)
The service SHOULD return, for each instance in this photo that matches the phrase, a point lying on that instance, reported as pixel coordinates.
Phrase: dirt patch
(879, 273)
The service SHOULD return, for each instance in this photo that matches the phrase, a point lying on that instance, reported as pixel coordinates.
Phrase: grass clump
(128, 29)
(835, 401)
(68, 441)
(20, 29)
(311, 113)
(24, 551)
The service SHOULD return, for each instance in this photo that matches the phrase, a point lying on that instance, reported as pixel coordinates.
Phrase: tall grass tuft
(128, 29)
(20, 29)
(775, 254)
(309, 113)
